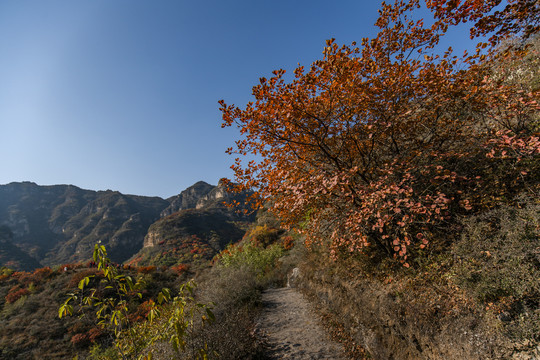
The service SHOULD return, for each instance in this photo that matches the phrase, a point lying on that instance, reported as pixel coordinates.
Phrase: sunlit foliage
(377, 147)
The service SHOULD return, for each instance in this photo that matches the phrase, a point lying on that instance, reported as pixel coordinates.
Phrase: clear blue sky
(122, 94)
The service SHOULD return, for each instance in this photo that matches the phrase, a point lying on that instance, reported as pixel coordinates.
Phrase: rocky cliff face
(199, 220)
(206, 201)
(119, 221)
(190, 236)
(152, 238)
(214, 197)
(188, 198)
(202, 196)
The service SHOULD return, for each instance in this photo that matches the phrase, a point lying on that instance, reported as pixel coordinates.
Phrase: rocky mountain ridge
(195, 227)
(61, 223)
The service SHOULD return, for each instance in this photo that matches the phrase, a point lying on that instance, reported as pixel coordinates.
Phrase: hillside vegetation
(30, 301)
(402, 180)
(413, 173)
(175, 248)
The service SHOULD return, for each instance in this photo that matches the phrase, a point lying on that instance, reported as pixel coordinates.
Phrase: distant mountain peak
(188, 198)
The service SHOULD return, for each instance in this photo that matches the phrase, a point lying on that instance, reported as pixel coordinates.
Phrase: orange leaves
(371, 145)
(517, 16)
(15, 293)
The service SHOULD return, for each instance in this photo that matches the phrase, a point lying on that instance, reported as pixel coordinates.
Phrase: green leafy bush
(259, 259)
(174, 323)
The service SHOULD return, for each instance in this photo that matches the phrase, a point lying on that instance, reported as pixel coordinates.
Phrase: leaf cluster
(110, 303)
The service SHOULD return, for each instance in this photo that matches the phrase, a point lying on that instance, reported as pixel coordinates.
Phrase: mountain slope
(188, 198)
(11, 255)
(196, 232)
(61, 223)
(53, 225)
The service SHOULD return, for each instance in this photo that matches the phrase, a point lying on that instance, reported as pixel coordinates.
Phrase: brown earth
(291, 329)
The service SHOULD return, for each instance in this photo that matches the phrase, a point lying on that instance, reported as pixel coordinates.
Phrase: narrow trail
(291, 329)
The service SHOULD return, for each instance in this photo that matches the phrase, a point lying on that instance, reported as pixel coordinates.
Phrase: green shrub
(14, 307)
(173, 323)
(259, 259)
(97, 352)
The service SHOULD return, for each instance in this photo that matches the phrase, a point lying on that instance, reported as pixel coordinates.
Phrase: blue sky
(122, 95)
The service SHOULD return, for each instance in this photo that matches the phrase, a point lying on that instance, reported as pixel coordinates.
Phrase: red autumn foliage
(78, 276)
(41, 274)
(22, 277)
(146, 269)
(288, 242)
(142, 311)
(135, 261)
(382, 145)
(68, 267)
(95, 333)
(180, 268)
(15, 293)
(518, 17)
(80, 340)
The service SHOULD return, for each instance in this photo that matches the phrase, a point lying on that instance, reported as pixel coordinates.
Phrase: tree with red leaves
(376, 147)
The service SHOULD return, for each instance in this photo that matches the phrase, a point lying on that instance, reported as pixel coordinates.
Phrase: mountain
(61, 223)
(52, 225)
(188, 198)
(196, 227)
(57, 225)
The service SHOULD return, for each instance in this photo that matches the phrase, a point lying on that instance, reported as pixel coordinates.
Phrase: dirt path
(292, 330)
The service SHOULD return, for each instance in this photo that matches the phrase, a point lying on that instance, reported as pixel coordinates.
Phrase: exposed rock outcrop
(152, 238)
(208, 229)
(214, 197)
(202, 196)
(293, 278)
(187, 199)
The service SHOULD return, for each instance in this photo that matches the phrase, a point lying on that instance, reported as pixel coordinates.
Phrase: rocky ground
(292, 330)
